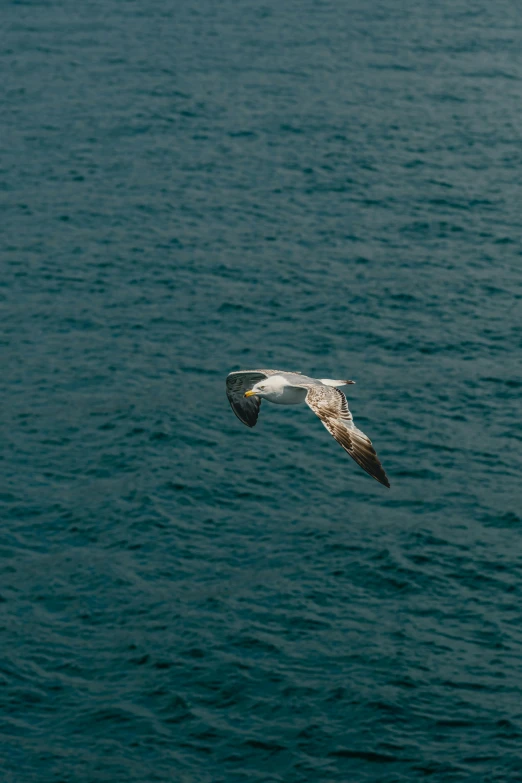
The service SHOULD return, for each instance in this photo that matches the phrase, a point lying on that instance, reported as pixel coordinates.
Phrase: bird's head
(268, 386)
(258, 390)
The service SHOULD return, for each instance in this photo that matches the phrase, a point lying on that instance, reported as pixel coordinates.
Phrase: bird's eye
(261, 388)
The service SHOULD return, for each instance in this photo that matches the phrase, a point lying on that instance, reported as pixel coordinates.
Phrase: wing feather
(331, 406)
(239, 382)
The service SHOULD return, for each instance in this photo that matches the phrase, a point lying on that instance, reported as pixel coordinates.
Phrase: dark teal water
(191, 188)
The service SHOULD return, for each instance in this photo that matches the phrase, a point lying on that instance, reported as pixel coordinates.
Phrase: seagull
(246, 389)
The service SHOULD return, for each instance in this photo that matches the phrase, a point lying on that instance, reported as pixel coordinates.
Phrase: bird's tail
(330, 382)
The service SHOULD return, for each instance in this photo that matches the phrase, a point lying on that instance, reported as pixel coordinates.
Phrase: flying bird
(246, 389)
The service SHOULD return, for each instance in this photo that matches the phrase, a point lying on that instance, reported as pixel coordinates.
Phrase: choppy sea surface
(189, 188)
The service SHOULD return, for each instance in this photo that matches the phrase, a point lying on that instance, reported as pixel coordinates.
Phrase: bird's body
(246, 389)
(286, 394)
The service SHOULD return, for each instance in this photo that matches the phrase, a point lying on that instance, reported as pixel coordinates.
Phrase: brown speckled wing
(332, 408)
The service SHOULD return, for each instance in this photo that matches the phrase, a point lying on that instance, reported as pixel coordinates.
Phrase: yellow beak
(250, 393)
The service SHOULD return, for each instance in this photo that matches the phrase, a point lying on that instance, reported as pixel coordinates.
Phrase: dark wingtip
(381, 477)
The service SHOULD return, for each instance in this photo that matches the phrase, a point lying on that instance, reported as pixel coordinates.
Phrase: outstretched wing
(245, 408)
(331, 406)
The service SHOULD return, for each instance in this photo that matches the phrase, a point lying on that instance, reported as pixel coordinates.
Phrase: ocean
(193, 188)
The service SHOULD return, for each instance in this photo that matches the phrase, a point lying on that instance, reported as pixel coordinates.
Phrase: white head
(268, 387)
